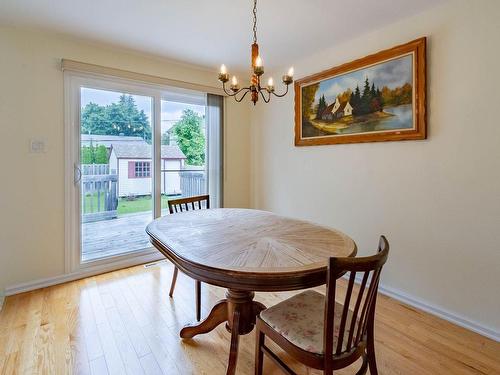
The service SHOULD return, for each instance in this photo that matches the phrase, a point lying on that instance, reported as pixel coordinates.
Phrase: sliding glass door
(132, 148)
(116, 172)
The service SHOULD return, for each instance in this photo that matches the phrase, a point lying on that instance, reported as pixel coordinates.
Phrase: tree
(356, 100)
(345, 96)
(190, 138)
(397, 96)
(94, 155)
(308, 95)
(366, 90)
(373, 92)
(321, 106)
(94, 119)
(116, 118)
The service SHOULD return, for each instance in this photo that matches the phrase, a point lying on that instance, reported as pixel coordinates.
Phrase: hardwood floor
(124, 323)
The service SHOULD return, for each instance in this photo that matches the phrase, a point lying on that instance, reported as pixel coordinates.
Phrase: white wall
(31, 106)
(438, 200)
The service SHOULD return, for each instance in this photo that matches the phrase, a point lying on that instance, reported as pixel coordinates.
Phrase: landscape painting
(371, 99)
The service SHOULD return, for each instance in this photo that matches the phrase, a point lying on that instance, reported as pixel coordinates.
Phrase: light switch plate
(37, 146)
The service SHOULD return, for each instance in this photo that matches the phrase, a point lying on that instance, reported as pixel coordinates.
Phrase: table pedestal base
(238, 310)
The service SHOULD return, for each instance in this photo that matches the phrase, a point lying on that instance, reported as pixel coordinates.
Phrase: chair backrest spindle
(188, 204)
(353, 323)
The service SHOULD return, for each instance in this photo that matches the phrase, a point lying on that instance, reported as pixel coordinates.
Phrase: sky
(393, 73)
(170, 111)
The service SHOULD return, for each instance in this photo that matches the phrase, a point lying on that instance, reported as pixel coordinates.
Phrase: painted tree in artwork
(308, 95)
(321, 106)
(356, 99)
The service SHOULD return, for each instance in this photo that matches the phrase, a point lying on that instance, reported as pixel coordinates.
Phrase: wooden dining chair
(320, 332)
(189, 204)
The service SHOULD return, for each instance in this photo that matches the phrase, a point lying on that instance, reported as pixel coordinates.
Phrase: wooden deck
(115, 236)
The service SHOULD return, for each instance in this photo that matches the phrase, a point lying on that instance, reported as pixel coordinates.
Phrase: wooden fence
(94, 169)
(99, 193)
(193, 183)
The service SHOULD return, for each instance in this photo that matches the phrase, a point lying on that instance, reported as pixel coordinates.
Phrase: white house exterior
(337, 110)
(132, 163)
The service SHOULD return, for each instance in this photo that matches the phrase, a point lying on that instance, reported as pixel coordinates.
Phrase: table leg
(235, 340)
(238, 310)
(217, 315)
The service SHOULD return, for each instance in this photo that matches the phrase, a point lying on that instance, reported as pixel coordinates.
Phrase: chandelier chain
(255, 21)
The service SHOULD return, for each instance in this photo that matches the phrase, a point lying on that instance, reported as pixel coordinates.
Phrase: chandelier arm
(245, 94)
(281, 95)
(234, 93)
(263, 97)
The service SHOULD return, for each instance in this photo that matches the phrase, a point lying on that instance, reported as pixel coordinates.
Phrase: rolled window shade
(77, 66)
(215, 149)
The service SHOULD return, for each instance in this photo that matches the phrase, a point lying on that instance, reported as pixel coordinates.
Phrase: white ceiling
(208, 33)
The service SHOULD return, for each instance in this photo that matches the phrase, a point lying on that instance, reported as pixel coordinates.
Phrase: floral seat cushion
(300, 319)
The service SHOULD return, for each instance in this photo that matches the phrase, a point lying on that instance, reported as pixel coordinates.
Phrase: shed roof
(107, 140)
(133, 150)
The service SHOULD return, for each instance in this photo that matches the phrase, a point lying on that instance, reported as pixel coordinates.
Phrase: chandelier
(255, 89)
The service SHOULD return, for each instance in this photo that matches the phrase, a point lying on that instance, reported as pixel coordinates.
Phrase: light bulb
(234, 81)
(223, 69)
(270, 82)
(290, 72)
(258, 61)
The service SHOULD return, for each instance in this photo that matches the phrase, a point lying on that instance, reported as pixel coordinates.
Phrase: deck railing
(99, 189)
(99, 192)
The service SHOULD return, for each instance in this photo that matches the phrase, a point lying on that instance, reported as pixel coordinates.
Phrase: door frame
(73, 80)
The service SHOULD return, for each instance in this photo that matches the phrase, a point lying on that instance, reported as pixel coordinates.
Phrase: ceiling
(208, 33)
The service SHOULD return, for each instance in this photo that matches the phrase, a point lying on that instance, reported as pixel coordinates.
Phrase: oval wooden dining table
(245, 251)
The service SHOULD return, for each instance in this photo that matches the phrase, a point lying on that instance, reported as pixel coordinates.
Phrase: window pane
(183, 151)
(116, 186)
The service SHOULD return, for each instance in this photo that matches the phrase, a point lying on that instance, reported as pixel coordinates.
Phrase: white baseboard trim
(434, 310)
(80, 274)
(2, 298)
(440, 312)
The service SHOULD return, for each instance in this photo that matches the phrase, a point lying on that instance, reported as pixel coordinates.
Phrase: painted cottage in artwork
(337, 110)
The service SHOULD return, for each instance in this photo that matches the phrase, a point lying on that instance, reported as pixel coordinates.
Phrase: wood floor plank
(149, 365)
(98, 366)
(124, 322)
(89, 328)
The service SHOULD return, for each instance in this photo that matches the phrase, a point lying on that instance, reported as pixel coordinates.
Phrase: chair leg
(198, 299)
(259, 355)
(172, 285)
(370, 350)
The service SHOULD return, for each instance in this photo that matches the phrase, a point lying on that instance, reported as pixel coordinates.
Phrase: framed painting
(380, 97)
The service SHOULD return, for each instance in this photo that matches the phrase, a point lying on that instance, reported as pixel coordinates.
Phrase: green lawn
(125, 206)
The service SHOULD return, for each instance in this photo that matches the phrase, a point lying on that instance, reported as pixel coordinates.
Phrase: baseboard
(2, 298)
(87, 272)
(440, 312)
(447, 315)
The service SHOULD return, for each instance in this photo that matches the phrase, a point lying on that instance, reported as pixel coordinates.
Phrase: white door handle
(78, 174)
